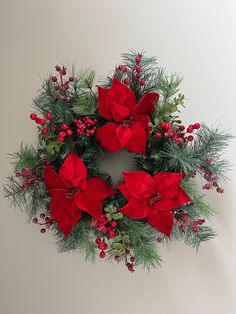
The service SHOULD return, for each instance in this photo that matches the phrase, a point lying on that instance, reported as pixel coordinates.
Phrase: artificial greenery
(163, 154)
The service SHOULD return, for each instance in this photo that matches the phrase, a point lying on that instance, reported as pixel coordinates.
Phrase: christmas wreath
(62, 187)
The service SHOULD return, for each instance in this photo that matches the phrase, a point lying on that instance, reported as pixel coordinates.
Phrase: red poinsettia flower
(153, 198)
(130, 127)
(72, 192)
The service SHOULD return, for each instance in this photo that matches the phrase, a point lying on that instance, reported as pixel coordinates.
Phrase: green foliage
(209, 143)
(162, 155)
(204, 234)
(81, 238)
(200, 205)
(25, 157)
(85, 100)
(142, 239)
(32, 200)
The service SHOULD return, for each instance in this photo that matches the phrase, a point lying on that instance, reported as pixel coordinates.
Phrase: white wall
(193, 38)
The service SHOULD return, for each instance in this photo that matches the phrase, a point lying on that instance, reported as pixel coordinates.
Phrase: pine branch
(209, 143)
(81, 238)
(200, 205)
(143, 242)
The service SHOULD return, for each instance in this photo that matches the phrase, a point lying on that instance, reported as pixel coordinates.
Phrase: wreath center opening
(115, 163)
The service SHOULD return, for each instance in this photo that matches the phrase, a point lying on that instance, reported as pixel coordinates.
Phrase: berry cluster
(42, 121)
(46, 222)
(134, 72)
(129, 260)
(159, 239)
(86, 126)
(28, 177)
(105, 226)
(210, 177)
(103, 246)
(60, 85)
(64, 131)
(183, 222)
(178, 135)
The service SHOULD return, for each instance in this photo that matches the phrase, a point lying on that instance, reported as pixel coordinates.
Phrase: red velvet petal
(65, 212)
(53, 181)
(61, 203)
(120, 94)
(181, 198)
(123, 188)
(147, 104)
(137, 142)
(74, 171)
(108, 137)
(92, 207)
(142, 120)
(135, 209)
(167, 183)
(67, 222)
(139, 183)
(97, 189)
(163, 221)
(102, 107)
(124, 134)
(120, 112)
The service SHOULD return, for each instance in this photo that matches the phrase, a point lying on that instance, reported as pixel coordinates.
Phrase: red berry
(64, 127)
(120, 67)
(47, 219)
(181, 127)
(207, 186)
(132, 259)
(61, 134)
(190, 128)
(159, 239)
(44, 131)
(197, 125)
(33, 116)
(190, 138)
(142, 82)
(165, 125)
(34, 220)
(170, 133)
(102, 254)
(54, 79)
(113, 224)
(43, 230)
(104, 229)
(63, 71)
(26, 172)
(137, 76)
(138, 59)
(130, 268)
(71, 79)
(18, 174)
(42, 122)
(61, 139)
(38, 120)
(98, 240)
(48, 116)
(101, 246)
(42, 215)
(201, 221)
(58, 69)
(158, 135)
(117, 257)
(111, 234)
(138, 68)
(206, 176)
(124, 69)
(69, 132)
(126, 81)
